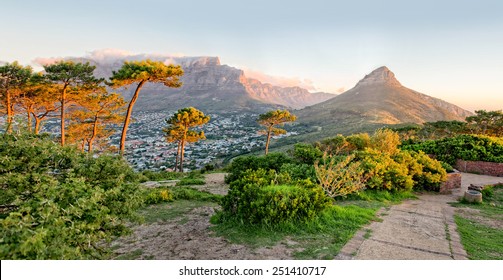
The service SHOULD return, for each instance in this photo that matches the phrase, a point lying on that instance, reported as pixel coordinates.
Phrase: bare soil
(189, 237)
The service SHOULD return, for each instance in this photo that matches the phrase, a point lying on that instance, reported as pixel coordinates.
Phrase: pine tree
(13, 77)
(139, 73)
(271, 119)
(73, 78)
(179, 130)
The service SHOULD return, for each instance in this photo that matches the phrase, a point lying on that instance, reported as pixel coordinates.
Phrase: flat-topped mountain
(210, 86)
(379, 98)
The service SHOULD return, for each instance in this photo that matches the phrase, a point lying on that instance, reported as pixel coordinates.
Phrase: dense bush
(261, 196)
(272, 161)
(339, 176)
(58, 203)
(427, 173)
(149, 175)
(383, 172)
(306, 153)
(404, 170)
(189, 193)
(157, 195)
(299, 171)
(465, 147)
(276, 204)
(385, 141)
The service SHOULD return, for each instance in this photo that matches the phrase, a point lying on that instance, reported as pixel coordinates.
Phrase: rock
(473, 196)
(475, 188)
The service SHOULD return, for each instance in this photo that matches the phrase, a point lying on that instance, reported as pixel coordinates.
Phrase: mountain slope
(379, 99)
(211, 87)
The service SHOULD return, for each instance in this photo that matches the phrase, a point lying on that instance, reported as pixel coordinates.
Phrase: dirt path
(214, 184)
(188, 236)
(416, 229)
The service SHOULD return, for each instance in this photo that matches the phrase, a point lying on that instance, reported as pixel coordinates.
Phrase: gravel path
(421, 229)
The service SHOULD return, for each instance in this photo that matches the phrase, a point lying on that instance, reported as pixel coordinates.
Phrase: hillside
(211, 87)
(376, 100)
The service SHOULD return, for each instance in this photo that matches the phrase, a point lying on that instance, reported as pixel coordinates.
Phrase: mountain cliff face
(379, 98)
(211, 86)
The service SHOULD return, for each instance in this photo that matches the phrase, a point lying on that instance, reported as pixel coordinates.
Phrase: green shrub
(306, 153)
(465, 147)
(157, 195)
(188, 193)
(248, 197)
(488, 192)
(299, 171)
(339, 177)
(333, 145)
(272, 161)
(358, 141)
(432, 174)
(383, 172)
(448, 168)
(208, 168)
(276, 204)
(385, 141)
(63, 202)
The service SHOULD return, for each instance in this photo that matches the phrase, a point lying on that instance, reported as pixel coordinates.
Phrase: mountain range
(376, 100)
(211, 87)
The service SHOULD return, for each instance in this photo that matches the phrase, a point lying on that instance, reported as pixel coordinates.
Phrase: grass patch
(130, 255)
(320, 238)
(190, 182)
(480, 234)
(187, 193)
(171, 210)
(368, 234)
(148, 175)
(492, 204)
(480, 242)
(381, 196)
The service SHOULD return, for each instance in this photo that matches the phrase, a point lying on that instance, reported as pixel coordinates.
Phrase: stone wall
(480, 167)
(453, 182)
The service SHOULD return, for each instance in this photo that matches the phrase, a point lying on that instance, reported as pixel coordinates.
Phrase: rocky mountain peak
(381, 75)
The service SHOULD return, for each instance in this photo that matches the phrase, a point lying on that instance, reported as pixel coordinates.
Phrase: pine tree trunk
(95, 132)
(9, 112)
(62, 116)
(269, 130)
(29, 120)
(182, 150)
(37, 124)
(177, 155)
(128, 117)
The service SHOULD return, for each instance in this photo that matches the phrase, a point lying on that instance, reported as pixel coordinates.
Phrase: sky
(451, 50)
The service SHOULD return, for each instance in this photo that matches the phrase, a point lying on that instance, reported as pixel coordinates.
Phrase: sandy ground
(189, 237)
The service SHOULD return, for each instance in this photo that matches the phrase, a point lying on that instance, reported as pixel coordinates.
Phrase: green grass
(185, 199)
(321, 238)
(188, 193)
(190, 182)
(171, 210)
(130, 255)
(483, 240)
(381, 196)
(480, 242)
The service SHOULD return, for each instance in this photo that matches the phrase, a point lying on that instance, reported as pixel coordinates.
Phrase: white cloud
(42, 61)
(109, 56)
